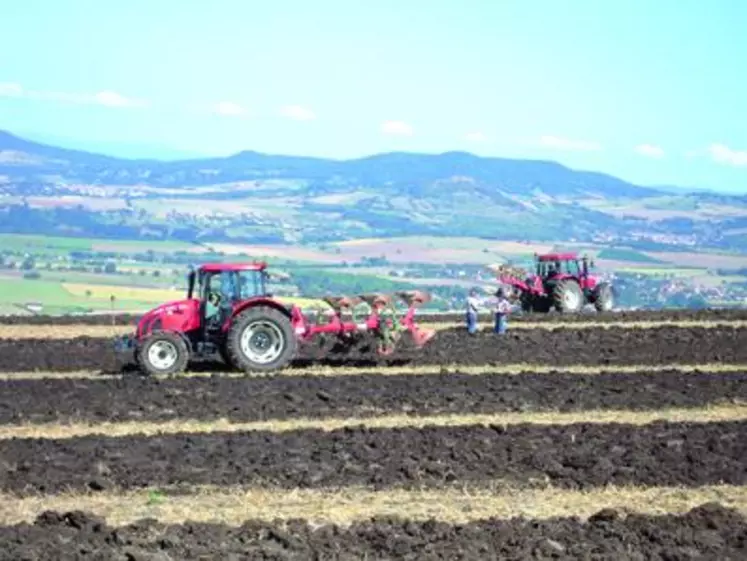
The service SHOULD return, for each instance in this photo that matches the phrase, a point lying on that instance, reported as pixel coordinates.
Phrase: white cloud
(229, 109)
(561, 143)
(724, 155)
(298, 113)
(106, 98)
(398, 128)
(114, 99)
(476, 136)
(10, 89)
(650, 150)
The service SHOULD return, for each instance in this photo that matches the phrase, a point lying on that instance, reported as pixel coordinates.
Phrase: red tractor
(228, 311)
(561, 281)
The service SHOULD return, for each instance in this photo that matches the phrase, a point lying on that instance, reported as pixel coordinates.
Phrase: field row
(665, 345)
(365, 394)
(19, 331)
(608, 534)
(574, 456)
(425, 316)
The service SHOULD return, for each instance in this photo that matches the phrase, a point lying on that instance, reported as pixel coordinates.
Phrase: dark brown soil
(283, 397)
(707, 532)
(425, 316)
(622, 316)
(663, 345)
(578, 456)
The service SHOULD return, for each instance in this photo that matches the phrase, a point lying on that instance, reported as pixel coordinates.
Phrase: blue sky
(649, 90)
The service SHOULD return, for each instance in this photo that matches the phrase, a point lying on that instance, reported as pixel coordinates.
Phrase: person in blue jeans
(502, 309)
(472, 304)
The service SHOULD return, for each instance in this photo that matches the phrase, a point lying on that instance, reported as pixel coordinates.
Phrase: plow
(354, 322)
(228, 311)
(562, 281)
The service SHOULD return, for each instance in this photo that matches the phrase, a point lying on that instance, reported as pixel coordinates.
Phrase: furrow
(143, 399)
(572, 456)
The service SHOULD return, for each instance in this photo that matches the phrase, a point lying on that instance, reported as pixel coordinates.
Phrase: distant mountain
(410, 172)
(255, 197)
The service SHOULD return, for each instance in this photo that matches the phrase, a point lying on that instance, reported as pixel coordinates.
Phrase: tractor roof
(557, 257)
(230, 267)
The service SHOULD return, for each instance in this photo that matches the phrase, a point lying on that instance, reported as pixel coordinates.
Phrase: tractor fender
(245, 305)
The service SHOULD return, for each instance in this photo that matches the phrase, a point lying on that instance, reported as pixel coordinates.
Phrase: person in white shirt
(502, 310)
(472, 304)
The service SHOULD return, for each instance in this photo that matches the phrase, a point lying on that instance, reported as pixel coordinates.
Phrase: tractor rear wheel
(261, 338)
(163, 352)
(604, 300)
(568, 296)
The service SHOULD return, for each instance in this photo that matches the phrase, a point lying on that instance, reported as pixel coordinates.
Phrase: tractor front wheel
(568, 296)
(604, 299)
(163, 352)
(261, 338)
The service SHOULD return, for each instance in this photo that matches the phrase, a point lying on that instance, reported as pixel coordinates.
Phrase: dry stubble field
(562, 440)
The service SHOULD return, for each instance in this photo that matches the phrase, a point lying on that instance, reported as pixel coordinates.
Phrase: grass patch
(432, 369)
(377, 420)
(614, 254)
(20, 331)
(457, 505)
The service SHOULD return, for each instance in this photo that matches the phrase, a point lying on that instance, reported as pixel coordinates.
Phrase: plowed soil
(573, 456)
(665, 345)
(425, 316)
(706, 532)
(622, 316)
(240, 399)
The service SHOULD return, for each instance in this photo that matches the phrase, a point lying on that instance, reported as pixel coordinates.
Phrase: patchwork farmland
(607, 436)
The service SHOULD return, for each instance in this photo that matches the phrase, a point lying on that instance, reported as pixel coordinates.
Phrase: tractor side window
(250, 284)
(572, 268)
(212, 290)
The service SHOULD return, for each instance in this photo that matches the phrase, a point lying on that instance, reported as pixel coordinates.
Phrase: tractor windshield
(229, 286)
(237, 285)
(572, 268)
(548, 269)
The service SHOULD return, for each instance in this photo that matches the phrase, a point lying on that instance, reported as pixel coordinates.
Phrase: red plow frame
(374, 313)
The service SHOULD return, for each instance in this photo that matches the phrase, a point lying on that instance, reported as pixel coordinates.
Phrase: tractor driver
(219, 298)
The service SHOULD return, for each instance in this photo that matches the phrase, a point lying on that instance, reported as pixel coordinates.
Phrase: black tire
(568, 297)
(604, 299)
(527, 303)
(223, 352)
(162, 352)
(277, 325)
(542, 304)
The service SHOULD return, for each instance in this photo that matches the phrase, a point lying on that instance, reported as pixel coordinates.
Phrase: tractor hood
(175, 306)
(177, 315)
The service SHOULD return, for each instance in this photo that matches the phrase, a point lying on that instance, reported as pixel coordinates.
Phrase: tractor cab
(220, 287)
(556, 266)
(228, 281)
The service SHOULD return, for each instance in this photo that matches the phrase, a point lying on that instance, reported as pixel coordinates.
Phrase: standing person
(502, 309)
(472, 305)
